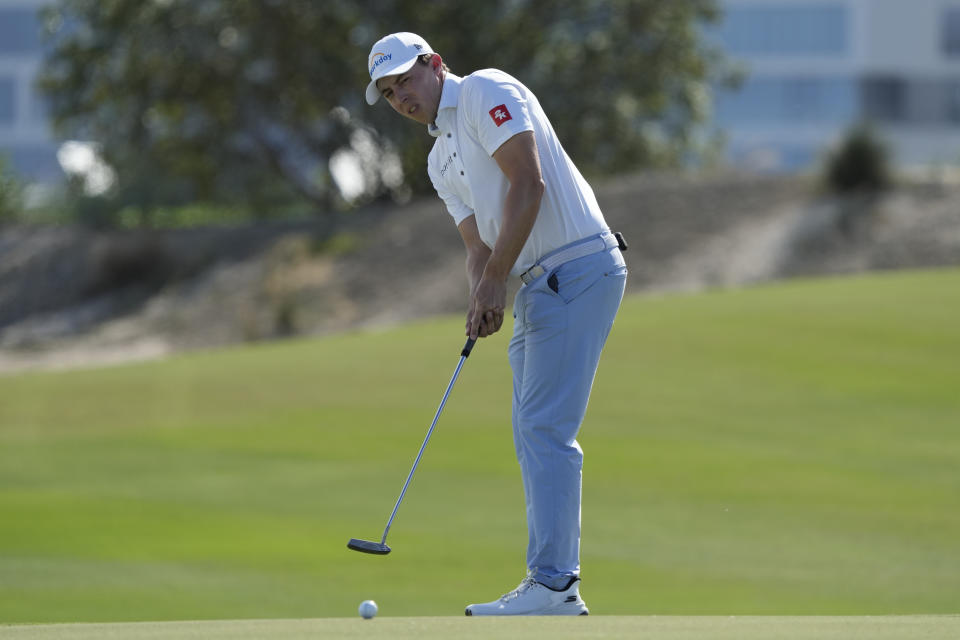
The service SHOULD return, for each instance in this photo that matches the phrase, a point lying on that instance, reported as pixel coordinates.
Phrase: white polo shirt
(477, 114)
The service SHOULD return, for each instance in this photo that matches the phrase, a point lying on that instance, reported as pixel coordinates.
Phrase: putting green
(654, 628)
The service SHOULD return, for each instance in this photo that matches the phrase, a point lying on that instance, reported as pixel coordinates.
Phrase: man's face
(414, 94)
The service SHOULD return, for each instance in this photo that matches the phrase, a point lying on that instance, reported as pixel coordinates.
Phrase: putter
(381, 548)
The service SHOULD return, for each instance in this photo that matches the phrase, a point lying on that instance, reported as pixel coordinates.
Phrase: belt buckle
(532, 274)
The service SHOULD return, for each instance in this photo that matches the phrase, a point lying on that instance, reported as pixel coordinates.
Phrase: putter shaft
(463, 357)
(381, 548)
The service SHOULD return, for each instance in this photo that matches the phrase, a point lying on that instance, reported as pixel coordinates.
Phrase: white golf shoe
(534, 599)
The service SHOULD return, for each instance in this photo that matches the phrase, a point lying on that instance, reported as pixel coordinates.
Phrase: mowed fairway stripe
(594, 627)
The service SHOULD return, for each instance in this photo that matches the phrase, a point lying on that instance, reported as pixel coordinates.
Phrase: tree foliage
(248, 101)
(860, 163)
(11, 193)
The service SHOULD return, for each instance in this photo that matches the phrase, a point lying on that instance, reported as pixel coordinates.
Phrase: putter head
(366, 546)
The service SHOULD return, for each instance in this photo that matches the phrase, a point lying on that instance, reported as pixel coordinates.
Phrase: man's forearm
(519, 215)
(476, 263)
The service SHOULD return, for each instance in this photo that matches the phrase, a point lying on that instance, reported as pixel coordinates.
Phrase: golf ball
(368, 609)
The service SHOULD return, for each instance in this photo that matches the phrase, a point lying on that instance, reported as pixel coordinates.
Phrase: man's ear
(436, 61)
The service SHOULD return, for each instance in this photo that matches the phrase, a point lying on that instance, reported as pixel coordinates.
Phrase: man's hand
(488, 298)
(487, 305)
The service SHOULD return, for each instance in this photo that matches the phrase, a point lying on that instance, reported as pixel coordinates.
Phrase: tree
(11, 193)
(861, 163)
(248, 101)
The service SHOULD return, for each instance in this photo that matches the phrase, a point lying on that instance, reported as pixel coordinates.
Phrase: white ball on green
(367, 609)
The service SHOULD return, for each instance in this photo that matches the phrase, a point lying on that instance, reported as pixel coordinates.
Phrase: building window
(950, 35)
(35, 161)
(7, 101)
(884, 99)
(782, 100)
(953, 102)
(19, 31)
(39, 108)
(785, 30)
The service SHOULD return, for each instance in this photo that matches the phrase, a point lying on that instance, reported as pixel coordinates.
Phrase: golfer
(523, 210)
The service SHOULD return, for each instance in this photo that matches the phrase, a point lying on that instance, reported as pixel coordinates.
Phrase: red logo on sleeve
(500, 114)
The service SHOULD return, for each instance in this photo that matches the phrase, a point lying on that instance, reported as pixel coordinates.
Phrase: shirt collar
(449, 96)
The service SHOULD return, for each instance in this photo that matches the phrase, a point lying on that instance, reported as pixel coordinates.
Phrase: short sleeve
(497, 109)
(457, 208)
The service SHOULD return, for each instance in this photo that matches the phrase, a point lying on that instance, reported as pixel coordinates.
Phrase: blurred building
(25, 137)
(816, 67)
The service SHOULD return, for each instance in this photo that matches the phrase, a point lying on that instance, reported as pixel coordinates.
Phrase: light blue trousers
(561, 322)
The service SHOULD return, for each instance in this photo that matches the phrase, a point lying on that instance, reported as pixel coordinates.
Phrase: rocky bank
(77, 297)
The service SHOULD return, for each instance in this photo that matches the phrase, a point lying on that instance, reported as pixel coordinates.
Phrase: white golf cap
(391, 55)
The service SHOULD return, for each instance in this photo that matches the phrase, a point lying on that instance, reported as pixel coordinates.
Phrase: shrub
(861, 163)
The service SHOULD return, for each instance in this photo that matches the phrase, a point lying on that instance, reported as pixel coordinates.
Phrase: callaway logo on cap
(391, 55)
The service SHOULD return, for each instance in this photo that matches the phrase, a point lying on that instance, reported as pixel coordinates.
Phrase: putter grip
(467, 347)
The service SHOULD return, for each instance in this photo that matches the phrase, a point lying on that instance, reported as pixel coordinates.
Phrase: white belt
(580, 250)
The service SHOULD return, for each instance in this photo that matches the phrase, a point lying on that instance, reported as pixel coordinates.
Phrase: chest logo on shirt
(500, 114)
(446, 166)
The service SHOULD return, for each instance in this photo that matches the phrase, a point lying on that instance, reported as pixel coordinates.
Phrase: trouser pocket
(570, 280)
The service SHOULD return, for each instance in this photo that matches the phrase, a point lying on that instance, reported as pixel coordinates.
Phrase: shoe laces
(527, 584)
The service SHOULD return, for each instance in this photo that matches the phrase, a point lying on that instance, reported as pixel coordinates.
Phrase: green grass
(783, 450)
(595, 627)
